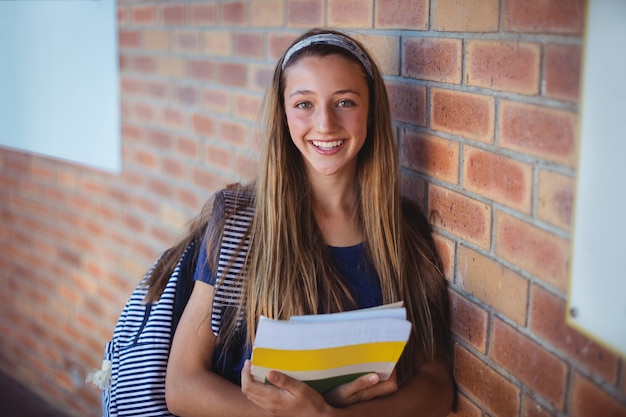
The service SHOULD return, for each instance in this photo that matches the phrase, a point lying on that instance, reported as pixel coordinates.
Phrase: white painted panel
(598, 285)
(59, 92)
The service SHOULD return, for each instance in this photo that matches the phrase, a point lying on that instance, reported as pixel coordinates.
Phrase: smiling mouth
(328, 145)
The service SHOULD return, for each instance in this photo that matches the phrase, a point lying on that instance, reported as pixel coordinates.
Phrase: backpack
(132, 377)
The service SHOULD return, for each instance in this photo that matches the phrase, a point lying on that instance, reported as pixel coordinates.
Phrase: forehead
(324, 70)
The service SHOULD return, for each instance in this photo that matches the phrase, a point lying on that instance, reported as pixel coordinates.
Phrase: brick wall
(485, 101)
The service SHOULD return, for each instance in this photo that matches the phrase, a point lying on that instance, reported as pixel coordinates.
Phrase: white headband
(333, 39)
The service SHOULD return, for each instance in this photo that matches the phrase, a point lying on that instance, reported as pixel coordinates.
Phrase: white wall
(59, 80)
(598, 285)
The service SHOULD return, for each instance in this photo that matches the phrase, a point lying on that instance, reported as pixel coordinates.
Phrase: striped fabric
(139, 349)
(239, 212)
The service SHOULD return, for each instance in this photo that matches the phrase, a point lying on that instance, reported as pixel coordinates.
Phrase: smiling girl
(330, 233)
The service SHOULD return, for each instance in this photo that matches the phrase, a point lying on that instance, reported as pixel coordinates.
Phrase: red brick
(173, 14)
(122, 14)
(464, 114)
(413, 187)
(143, 64)
(494, 393)
(247, 107)
(134, 223)
(189, 199)
(233, 133)
(385, 51)
(532, 249)
(505, 66)
(144, 112)
(466, 218)
(159, 140)
(544, 16)
(278, 44)
(130, 86)
(173, 118)
(547, 320)
(157, 90)
(201, 70)
(350, 13)
(233, 13)
(433, 59)
(401, 14)
(129, 39)
(247, 167)
(172, 67)
(218, 157)
(305, 13)
(203, 14)
(156, 40)
(468, 321)
(498, 178)
(544, 373)
(555, 199)
(206, 180)
(260, 77)
(186, 94)
(187, 41)
(431, 155)
(187, 147)
(407, 102)
(161, 189)
(465, 16)
(446, 252)
(123, 64)
(203, 125)
(218, 43)
(173, 168)
(465, 408)
(563, 71)
(232, 74)
(492, 283)
(249, 45)
(547, 133)
(589, 400)
(267, 13)
(217, 100)
(534, 409)
(146, 160)
(143, 15)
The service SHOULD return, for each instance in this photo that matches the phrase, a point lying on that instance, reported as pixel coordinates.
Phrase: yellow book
(327, 350)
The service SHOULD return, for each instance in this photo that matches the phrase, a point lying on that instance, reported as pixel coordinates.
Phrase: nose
(325, 120)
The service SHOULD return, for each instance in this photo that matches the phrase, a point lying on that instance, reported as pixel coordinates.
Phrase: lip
(327, 146)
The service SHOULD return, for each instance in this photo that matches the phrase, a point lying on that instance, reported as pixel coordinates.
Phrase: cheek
(294, 124)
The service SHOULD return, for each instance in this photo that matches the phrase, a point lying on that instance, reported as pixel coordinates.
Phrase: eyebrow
(338, 92)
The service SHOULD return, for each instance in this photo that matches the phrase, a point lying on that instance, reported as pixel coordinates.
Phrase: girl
(330, 232)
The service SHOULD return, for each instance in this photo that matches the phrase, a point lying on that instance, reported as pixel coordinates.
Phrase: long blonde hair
(290, 269)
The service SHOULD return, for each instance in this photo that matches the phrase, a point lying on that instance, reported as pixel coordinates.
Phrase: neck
(335, 208)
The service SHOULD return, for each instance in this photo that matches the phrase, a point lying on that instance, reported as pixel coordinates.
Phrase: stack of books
(326, 350)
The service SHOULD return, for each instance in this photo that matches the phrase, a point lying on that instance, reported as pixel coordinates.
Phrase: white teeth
(327, 145)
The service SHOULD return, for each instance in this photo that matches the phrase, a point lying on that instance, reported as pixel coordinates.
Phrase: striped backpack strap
(133, 380)
(238, 207)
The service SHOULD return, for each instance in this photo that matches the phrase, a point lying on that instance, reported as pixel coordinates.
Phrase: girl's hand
(361, 389)
(285, 398)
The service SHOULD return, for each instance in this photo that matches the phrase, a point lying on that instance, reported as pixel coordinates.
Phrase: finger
(349, 393)
(255, 391)
(284, 382)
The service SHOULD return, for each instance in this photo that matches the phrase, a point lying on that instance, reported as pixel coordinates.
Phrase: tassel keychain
(102, 377)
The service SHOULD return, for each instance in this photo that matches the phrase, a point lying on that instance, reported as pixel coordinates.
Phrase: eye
(303, 105)
(346, 103)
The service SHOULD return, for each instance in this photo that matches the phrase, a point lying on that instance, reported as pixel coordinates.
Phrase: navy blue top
(355, 269)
